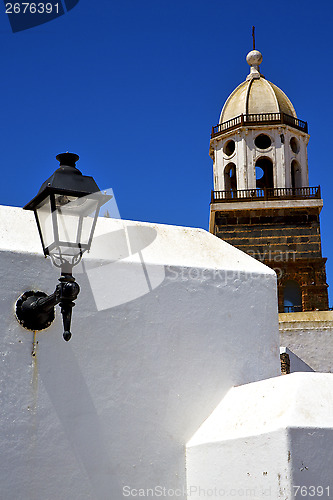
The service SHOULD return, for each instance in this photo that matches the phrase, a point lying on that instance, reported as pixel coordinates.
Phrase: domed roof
(256, 95)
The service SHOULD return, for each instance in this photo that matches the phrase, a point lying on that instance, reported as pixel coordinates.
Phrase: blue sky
(134, 88)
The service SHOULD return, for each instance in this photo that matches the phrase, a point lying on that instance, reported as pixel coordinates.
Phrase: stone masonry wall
(267, 235)
(287, 240)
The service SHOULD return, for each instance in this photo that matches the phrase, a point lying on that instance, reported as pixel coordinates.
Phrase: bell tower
(262, 202)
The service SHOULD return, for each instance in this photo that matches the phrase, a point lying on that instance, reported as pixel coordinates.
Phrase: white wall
(265, 439)
(145, 367)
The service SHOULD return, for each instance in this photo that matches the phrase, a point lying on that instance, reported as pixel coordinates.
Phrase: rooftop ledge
(245, 120)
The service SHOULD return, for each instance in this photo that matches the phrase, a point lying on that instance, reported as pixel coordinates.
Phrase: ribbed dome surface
(256, 95)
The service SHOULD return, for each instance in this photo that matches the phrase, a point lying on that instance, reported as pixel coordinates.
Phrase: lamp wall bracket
(35, 310)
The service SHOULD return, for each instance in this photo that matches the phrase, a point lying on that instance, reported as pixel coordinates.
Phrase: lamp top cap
(68, 159)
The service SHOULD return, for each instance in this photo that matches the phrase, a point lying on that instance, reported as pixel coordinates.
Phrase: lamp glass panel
(74, 221)
(44, 215)
(87, 227)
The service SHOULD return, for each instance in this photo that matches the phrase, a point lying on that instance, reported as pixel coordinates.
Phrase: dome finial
(254, 59)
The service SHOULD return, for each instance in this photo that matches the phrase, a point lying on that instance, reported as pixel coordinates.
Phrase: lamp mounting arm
(35, 310)
(45, 304)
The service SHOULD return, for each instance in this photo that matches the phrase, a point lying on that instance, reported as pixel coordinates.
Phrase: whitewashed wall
(168, 319)
(271, 439)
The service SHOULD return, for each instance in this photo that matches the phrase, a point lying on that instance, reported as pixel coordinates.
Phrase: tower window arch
(229, 147)
(263, 141)
(292, 297)
(264, 173)
(296, 179)
(230, 178)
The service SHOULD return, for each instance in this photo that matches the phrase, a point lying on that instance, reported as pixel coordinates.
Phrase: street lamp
(66, 209)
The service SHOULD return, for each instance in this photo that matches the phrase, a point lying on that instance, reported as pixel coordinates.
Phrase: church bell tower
(262, 202)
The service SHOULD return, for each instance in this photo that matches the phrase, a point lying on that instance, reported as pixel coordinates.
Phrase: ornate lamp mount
(66, 209)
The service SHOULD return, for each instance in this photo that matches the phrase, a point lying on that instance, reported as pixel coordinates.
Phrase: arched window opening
(296, 180)
(230, 179)
(292, 297)
(264, 173)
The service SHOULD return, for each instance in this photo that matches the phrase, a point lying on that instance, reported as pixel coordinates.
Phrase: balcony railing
(259, 119)
(266, 194)
(292, 309)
